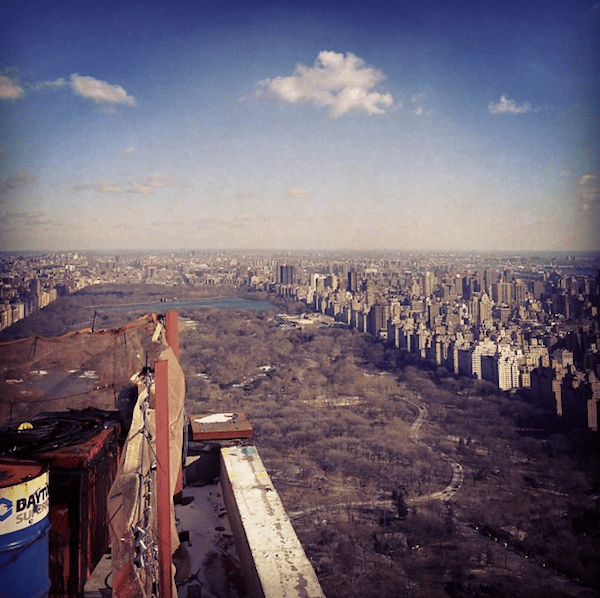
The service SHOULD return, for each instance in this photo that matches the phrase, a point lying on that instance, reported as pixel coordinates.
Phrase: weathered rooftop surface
(272, 558)
(207, 563)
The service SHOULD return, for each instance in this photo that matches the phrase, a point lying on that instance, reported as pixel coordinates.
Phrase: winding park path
(414, 435)
(506, 560)
(457, 470)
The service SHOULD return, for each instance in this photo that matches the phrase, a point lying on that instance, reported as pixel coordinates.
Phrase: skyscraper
(352, 281)
(502, 292)
(485, 310)
(286, 274)
(428, 283)
(377, 319)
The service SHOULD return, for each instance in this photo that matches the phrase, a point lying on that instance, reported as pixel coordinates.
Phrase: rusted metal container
(80, 479)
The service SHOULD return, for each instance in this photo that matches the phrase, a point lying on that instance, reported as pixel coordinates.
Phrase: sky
(201, 124)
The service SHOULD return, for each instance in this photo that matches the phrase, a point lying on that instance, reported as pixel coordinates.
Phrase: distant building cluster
(515, 324)
(31, 282)
(516, 321)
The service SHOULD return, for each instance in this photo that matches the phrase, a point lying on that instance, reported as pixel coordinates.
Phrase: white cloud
(150, 185)
(100, 91)
(296, 193)
(86, 87)
(588, 190)
(10, 89)
(341, 82)
(139, 187)
(506, 106)
(15, 219)
(101, 187)
(130, 150)
(61, 82)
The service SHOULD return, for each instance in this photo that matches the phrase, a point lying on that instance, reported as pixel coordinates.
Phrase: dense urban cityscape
(525, 321)
(299, 299)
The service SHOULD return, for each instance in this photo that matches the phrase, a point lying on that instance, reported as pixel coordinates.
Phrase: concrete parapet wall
(273, 561)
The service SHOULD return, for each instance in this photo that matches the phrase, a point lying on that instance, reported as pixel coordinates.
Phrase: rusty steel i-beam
(172, 330)
(163, 480)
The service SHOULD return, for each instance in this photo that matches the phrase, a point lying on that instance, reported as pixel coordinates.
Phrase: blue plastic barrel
(24, 527)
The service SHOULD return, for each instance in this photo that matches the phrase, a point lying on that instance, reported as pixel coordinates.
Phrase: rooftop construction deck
(236, 538)
(219, 521)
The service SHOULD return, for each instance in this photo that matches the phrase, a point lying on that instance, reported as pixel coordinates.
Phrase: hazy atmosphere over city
(364, 125)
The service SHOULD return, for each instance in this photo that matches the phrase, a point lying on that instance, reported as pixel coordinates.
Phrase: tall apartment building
(474, 309)
(536, 355)
(433, 311)
(331, 282)
(317, 282)
(370, 293)
(377, 319)
(502, 292)
(428, 283)
(485, 311)
(519, 292)
(488, 278)
(352, 284)
(469, 357)
(563, 358)
(580, 394)
(538, 288)
(502, 369)
(547, 381)
(285, 274)
(35, 289)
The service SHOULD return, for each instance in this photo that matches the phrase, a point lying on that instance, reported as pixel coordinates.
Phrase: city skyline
(346, 126)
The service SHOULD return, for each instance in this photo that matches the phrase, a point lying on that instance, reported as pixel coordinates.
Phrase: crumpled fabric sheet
(77, 370)
(138, 457)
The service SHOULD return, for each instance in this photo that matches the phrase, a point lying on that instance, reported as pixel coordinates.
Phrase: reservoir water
(228, 303)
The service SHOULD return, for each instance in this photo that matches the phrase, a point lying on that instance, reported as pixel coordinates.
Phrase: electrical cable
(52, 431)
(145, 547)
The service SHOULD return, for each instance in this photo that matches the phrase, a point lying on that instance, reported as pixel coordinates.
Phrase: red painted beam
(164, 495)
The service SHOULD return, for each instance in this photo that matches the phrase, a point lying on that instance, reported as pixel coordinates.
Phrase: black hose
(52, 431)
